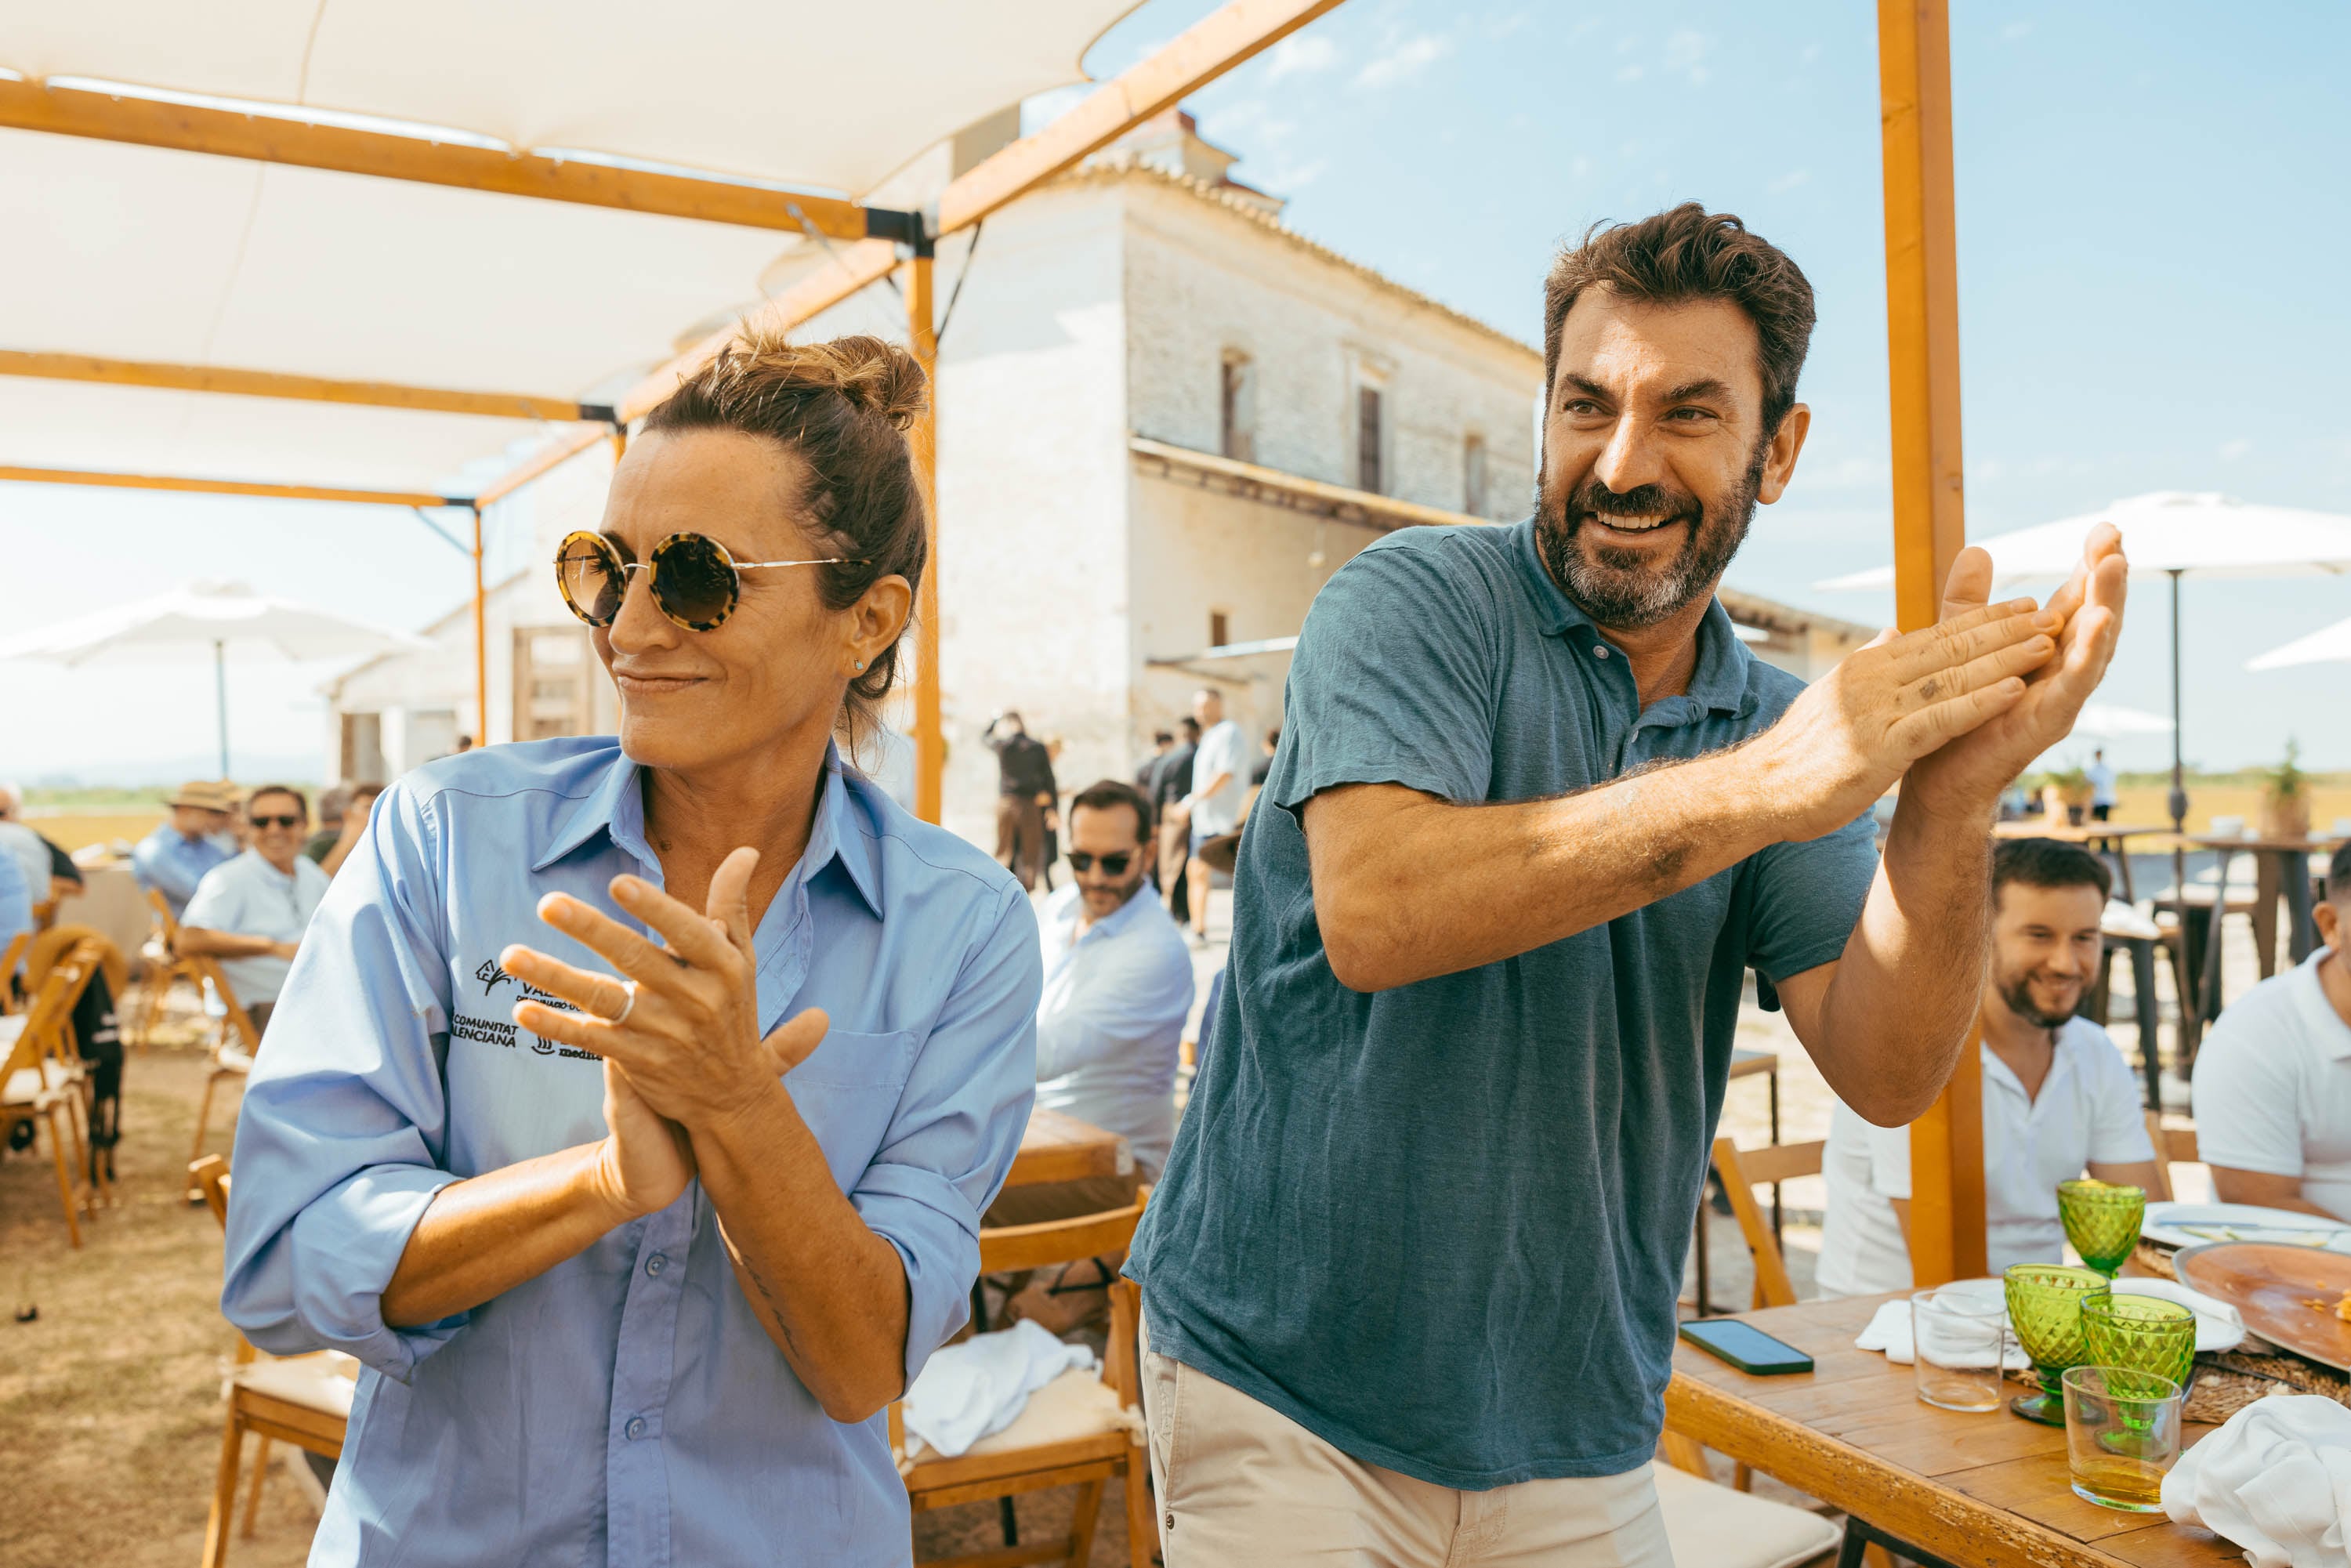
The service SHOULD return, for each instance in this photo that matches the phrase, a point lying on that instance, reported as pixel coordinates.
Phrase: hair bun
(878, 376)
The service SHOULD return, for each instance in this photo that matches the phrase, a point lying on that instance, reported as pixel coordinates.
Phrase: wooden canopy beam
(300, 389)
(283, 137)
(229, 488)
(1922, 318)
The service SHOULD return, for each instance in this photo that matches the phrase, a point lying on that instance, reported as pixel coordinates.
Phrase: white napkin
(1889, 1329)
(2218, 1326)
(973, 1390)
(2275, 1480)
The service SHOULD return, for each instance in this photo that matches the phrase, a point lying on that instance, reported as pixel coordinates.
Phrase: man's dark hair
(1273, 735)
(1189, 726)
(1108, 794)
(2338, 878)
(299, 799)
(1688, 254)
(2045, 862)
(1163, 737)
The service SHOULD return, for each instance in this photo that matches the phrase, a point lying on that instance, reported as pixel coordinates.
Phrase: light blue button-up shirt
(172, 863)
(625, 1407)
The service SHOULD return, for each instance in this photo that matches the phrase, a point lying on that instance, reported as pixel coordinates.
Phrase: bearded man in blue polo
(1409, 1282)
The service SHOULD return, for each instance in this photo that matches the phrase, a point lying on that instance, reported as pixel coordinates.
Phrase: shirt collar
(2327, 1027)
(616, 808)
(1718, 680)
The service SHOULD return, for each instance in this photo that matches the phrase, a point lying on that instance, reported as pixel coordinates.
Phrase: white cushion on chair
(321, 1382)
(28, 1085)
(1077, 1403)
(232, 1058)
(1720, 1527)
(11, 1027)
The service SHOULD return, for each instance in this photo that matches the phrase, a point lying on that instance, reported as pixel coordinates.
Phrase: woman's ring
(628, 1006)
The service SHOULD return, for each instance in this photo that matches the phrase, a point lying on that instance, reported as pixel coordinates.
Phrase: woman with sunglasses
(632, 1117)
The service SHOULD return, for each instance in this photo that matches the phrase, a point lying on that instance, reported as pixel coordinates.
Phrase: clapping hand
(680, 1036)
(1968, 773)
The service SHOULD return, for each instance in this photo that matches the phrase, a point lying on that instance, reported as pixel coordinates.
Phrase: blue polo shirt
(1443, 1226)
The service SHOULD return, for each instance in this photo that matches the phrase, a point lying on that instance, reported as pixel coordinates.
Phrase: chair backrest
(1742, 1172)
(14, 955)
(2170, 1144)
(46, 1019)
(165, 920)
(210, 1175)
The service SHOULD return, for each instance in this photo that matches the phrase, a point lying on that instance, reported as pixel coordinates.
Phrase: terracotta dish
(2289, 1295)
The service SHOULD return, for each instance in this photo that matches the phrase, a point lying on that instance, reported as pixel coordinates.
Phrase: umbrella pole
(220, 699)
(2179, 804)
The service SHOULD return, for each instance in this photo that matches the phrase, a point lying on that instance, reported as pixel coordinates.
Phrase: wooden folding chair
(163, 967)
(1741, 1173)
(305, 1400)
(32, 1087)
(1079, 1430)
(9, 959)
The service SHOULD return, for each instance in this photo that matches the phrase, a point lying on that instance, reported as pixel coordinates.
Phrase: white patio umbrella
(225, 617)
(2110, 721)
(2331, 645)
(2174, 534)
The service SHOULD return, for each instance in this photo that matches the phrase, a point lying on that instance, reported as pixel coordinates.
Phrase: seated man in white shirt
(2057, 1095)
(1118, 987)
(250, 912)
(2273, 1079)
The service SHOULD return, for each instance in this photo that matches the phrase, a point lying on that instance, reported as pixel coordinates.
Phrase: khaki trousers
(1240, 1485)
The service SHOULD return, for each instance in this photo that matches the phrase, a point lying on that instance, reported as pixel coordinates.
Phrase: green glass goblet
(2044, 1307)
(2140, 1333)
(2102, 1220)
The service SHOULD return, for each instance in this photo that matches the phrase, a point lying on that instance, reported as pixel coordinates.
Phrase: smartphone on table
(1745, 1346)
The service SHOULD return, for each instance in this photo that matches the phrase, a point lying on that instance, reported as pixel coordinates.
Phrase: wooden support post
(930, 739)
(481, 641)
(1922, 316)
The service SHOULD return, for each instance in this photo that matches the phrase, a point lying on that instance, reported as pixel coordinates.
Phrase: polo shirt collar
(616, 808)
(1718, 680)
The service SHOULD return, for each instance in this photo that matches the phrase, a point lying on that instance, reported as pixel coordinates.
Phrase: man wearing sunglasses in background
(250, 913)
(1118, 987)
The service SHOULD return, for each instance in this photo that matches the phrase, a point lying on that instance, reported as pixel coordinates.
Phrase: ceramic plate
(2196, 1223)
(2274, 1287)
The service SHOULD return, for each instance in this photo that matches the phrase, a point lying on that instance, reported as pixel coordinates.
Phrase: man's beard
(1619, 587)
(2016, 991)
(1121, 893)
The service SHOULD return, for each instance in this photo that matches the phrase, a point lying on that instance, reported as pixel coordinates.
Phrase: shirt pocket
(847, 1091)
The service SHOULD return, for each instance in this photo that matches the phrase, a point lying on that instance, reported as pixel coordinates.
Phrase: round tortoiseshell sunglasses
(695, 583)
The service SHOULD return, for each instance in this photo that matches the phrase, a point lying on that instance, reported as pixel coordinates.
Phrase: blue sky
(2152, 207)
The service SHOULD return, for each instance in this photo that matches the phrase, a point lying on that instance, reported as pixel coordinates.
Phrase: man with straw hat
(173, 858)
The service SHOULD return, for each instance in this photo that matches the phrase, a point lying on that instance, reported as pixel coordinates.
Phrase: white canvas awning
(138, 253)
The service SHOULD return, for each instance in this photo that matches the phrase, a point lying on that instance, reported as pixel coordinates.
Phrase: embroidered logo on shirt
(504, 1032)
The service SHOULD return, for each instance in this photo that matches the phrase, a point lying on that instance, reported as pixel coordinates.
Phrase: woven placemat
(2224, 1383)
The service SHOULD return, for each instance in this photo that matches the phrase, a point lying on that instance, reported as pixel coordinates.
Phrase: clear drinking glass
(1959, 1342)
(2122, 1432)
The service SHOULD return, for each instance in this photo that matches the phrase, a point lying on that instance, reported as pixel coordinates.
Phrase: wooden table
(2280, 865)
(2099, 838)
(1062, 1148)
(1973, 1489)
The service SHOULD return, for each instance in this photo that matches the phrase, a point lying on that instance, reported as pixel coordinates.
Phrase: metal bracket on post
(910, 229)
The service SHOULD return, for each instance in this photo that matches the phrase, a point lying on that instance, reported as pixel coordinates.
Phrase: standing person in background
(250, 913)
(2102, 786)
(1162, 744)
(1214, 806)
(1024, 790)
(1169, 786)
(1053, 744)
(173, 858)
(1262, 767)
(329, 851)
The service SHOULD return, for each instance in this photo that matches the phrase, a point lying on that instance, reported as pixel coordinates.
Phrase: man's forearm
(1904, 995)
(831, 1293)
(1426, 887)
(199, 940)
(482, 1236)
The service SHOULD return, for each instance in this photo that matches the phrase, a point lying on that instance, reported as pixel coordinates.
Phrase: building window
(1369, 417)
(1238, 408)
(1473, 475)
(1220, 631)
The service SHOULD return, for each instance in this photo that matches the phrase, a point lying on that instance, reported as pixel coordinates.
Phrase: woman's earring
(861, 666)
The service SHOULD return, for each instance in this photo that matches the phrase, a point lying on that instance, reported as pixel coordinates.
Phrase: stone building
(1165, 419)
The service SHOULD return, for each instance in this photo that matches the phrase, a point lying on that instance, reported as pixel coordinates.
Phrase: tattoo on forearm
(775, 1308)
